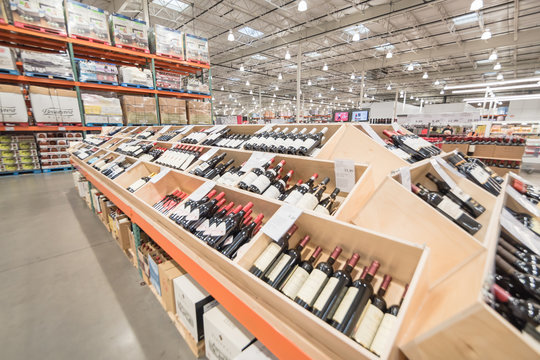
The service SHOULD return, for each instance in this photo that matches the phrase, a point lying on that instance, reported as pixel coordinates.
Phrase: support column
(404, 100)
(145, 12)
(299, 112)
(362, 89)
(395, 106)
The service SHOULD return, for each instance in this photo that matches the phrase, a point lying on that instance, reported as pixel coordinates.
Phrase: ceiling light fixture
(280, 77)
(477, 5)
(500, 76)
(277, 88)
(222, 88)
(352, 76)
(497, 66)
(425, 76)
(350, 90)
(231, 36)
(332, 88)
(412, 97)
(325, 67)
(486, 35)
(241, 67)
(309, 82)
(356, 36)
(500, 88)
(493, 56)
(442, 92)
(494, 83)
(247, 82)
(287, 55)
(250, 92)
(302, 5)
(389, 55)
(410, 67)
(437, 83)
(389, 87)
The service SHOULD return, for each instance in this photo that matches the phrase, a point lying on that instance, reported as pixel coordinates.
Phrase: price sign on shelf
(405, 174)
(202, 190)
(345, 174)
(164, 129)
(207, 155)
(10, 128)
(281, 221)
(61, 128)
(257, 159)
(162, 173)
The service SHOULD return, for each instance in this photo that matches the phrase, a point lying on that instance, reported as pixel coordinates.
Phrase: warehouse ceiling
(411, 46)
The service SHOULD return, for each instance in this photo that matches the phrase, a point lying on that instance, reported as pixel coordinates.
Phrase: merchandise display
(87, 22)
(47, 64)
(172, 111)
(18, 153)
(12, 105)
(100, 109)
(129, 33)
(139, 109)
(7, 61)
(199, 112)
(196, 85)
(39, 14)
(197, 49)
(53, 148)
(134, 76)
(93, 71)
(54, 106)
(168, 42)
(169, 80)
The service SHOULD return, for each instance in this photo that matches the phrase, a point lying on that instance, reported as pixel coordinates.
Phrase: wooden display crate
(459, 147)
(457, 323)
(135, 172)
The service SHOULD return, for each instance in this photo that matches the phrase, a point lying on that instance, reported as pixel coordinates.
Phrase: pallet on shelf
(40, 29)
(57, 169)
(48, 76)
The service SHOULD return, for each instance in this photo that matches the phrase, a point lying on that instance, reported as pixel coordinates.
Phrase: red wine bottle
(264, 180)
(448, 208)
(229, 225)
(278, 187)
(311, 199)
(271, 253)
(325, 206)
(312, 142)
(205, 225)
(388, 324)
(243, 237)
(286, 193)
(526, 310)
(210, 233)
(299, 275)
(367, 328)
(277, 273)
(295, 196)
(189, 205)
(523, 255)
(518, 264)
(201, 211)
(530, 222)
(528, 283)
(316, 281)
(246, 182)
(328, 300)
(416, 152)
(354, 302)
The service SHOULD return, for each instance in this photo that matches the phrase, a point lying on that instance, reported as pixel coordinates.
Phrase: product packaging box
(102, 109)
(139, 109)
(172, 111)
(12, 105)
(192, 301)
(87, 22)
(167, 273)
(197, 49)
(7, 61)
(124, 227)
(47, 14)
(199, 112)
(169, 80)
(224, 337)
(54, 105)
(3, 14)
(153, 274)
(49, 64)
(95, 71)
(256, 351)
(168, 42)
(195, 85)
(129, 32)
(136, 76)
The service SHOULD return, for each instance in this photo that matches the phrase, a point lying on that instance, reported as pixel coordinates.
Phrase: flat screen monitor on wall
(360, 115)
(340, 116)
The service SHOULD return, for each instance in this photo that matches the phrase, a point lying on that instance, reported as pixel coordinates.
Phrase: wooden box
(135, 172)
(459, 147)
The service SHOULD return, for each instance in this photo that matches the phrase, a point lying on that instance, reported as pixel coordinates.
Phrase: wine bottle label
(220, 229)
(345, 304)
(368, 326)
(261, 183)
(137, 184)
(202, 166)
(280, 264)
(203, 226)
(294, 282)
(450, 208)
(460, 194)
(250, 178)
(479, 174)
(294, 197)
(380, 342)
(321, 210)
(307, 202)
(288, 142)
(309, 291)
(297, 143)
(272, 192)
(411, 143)
(267, 256)
(210, 230)
(322, 299)
(193, 216)
(187, 162)
(309, 143)
(228, 241)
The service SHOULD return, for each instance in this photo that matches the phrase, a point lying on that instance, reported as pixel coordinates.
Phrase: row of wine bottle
(530, 192)
(516, 287)
(412, 147)
(506, 164)
(179, 157)
(269, 183)
(352, 307)
(85, 152)
(476, 171)
(452, 202)
(530, 222)
(167, 136)
(140, 182)
(479, 140)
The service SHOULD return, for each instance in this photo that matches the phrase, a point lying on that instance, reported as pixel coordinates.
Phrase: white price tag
(281, 221)
(522, 201)
(133, 165)
(157, 177)
(10, 128)
(202, 190)
(405, 174)
(345, 174)
(61, 128)
(372, 134)
(439, 170)
(257, 159)
(207, 155)
(520, 232)
(164, 129)
(186, 129)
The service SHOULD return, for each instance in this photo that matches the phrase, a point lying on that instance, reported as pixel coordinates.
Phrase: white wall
(386, 109)
(524, 110)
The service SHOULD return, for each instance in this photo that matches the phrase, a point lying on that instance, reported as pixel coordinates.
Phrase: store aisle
(68, 291)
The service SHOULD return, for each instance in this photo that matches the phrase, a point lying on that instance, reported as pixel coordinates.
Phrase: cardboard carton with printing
(129, 32)
(168, 42)
(54, 105)
(12, 105)
(47, 14)
(86, 21)
(167, 273)
(139, 109)
(199, 112)
(172, 111)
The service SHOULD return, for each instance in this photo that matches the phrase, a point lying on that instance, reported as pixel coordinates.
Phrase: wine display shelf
(456, 322)
(286, 329)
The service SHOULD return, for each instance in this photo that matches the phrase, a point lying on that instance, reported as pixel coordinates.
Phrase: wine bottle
(278, 272)
(227, 226)
(201, 211)
(299, 275)
(523, 255)
(388, 324)
(262, 182)
(367, 328)
(218, 170)
(201, 230)
(525, 310)
(530, 222)
(277, 188)
(312, 142)
(465, 201)
(292, 143)
(297, 194)
(186, 208)
(271, 252)
(529, 191)
(312, 198)
(246, 182)
(448, 208)
(354, 302)
(203, 167)
(287, 192)
(316, 281)
(286, 141)
(242, 238)
(528, 283)
(475, 173)
(280, 140)
(299, 141)
(328, 300)
(139, 183)
(195, 224)
(518, 264)
(417, 152)
(264, 141)
(325, 206)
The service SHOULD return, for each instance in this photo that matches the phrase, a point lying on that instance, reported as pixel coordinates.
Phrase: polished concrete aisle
(68, 291)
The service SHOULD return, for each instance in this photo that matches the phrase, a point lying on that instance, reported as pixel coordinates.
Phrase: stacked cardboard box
(87, 21)
(199, 112)
(50, 64)
(12, 105)
(18, 153)
(129, 32)
(169, 80)
(168, 42)
(102, 109)
(172, 111)
(93, 71)
(54, 105)
(47, 14)
(132, 75)
(139, 109)
(7, 61)
(197, 49)
(53, 148)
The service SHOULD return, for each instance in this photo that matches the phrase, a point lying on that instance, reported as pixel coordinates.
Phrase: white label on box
(345, 174)
(439, 170)
(372, 134)
(61, 128)
(207, 155)
(164, 129)
(281, 221)
(10, 128)
(520, 231)
(405, 174)
(202, 190)
(257, 159)
(164, 171)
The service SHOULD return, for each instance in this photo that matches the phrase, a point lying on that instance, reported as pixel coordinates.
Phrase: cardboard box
(256, 351)
(153, 274)
(168, 41)
(129, 32)
(225, 338)
(54, 105)
(136, 76)
(102, 109)
(199, 112)
(509, 152)
(172, 111)
(192, 301)
(41, 13)
(139, 109)
(167, 273)
(12, 105)
(123, 230)
(6, 58)
(87, 21)
(197, 49)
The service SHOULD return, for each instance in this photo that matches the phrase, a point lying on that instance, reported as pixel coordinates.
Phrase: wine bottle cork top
(292, 229)
(386, 281)
(415, 189)
(248, 206)
(372, 270)
(317, 252)
(364, 272)
(501, 294)
(220, 202)
(237, 209)
(353, 260)
(211, 193)
(305, 240)
(259, 218)
(315, 175)
(336, 252)
(220, 196)
(229, 206)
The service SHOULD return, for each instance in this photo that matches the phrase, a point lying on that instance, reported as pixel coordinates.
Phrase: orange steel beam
(277, 343)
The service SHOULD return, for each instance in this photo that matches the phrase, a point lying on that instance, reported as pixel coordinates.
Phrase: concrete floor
(68, 291)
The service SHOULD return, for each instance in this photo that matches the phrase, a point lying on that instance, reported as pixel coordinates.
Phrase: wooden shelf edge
(50, 128)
